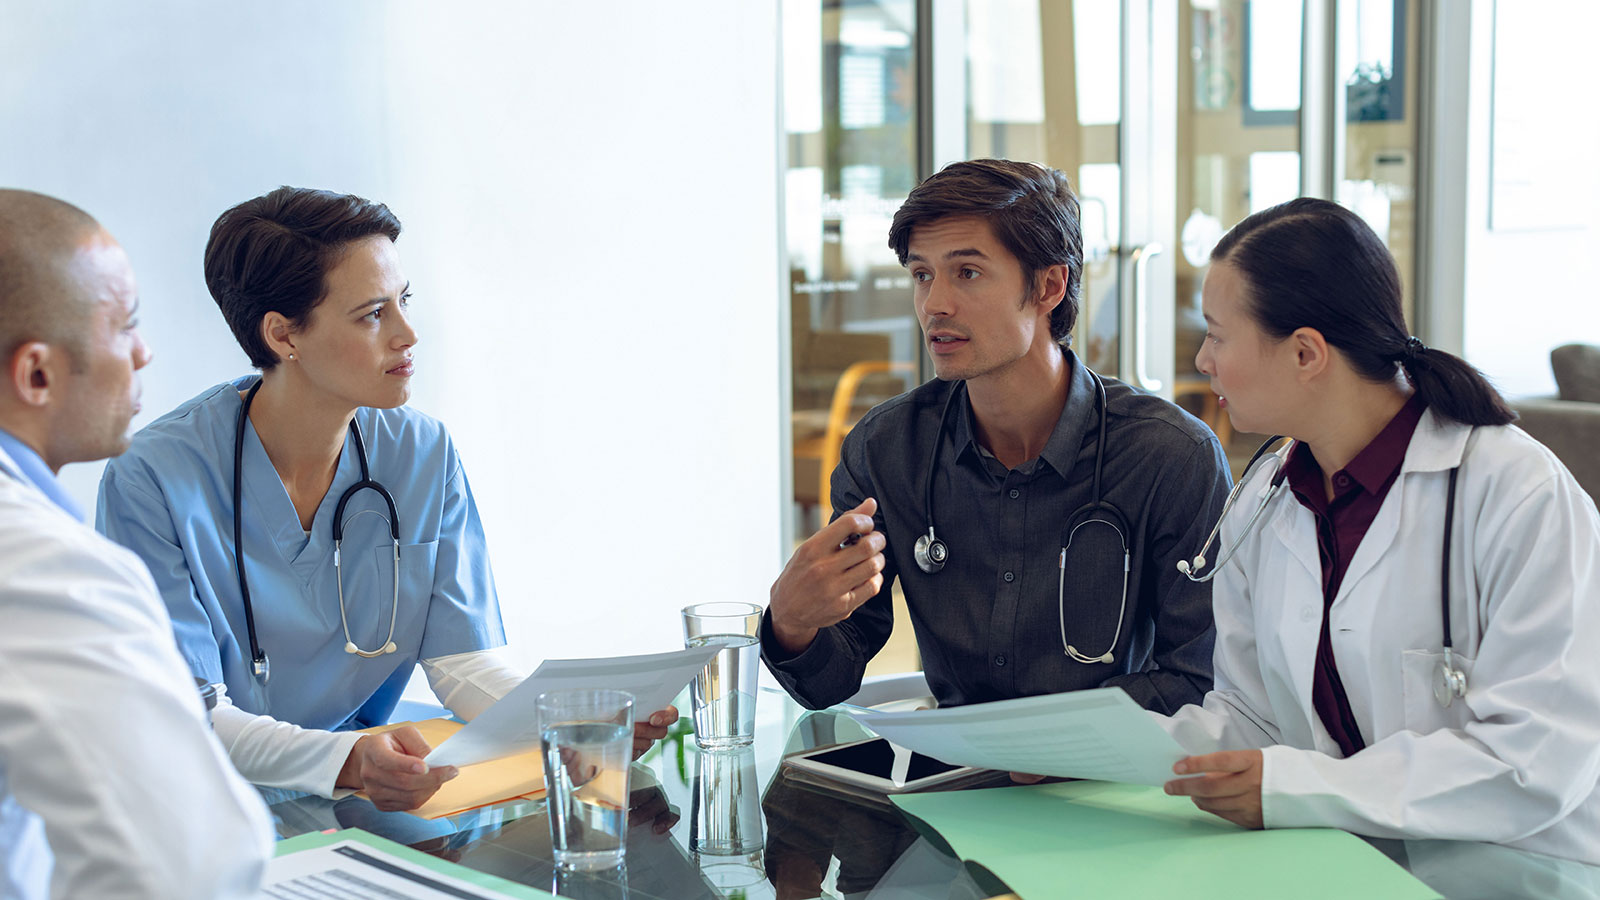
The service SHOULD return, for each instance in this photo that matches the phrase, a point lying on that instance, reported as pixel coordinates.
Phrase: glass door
(850, 110)
(1174, 119)
(1081, 86)
(1241, 71)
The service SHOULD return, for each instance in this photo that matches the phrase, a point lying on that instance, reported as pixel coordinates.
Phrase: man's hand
(389, 768)
(1229, 784)
(653, 729)
(827, 578)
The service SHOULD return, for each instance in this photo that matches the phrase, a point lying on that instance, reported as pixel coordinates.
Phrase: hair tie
(1413, 350)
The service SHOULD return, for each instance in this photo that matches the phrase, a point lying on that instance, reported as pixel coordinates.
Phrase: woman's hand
(652, 729)
(1229, 784)
(388, 767)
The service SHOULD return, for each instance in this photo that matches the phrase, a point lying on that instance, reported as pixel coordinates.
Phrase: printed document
(512, 725)
(1099, 734)
(361, 870)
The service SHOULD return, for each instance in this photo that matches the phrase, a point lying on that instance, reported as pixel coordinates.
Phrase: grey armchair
(1569, 423)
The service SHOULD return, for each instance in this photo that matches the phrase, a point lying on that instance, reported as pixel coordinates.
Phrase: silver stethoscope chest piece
(1449, 682)
(930, 552)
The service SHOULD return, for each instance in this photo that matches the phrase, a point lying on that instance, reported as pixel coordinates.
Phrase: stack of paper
(1100, 734)
(512, 725)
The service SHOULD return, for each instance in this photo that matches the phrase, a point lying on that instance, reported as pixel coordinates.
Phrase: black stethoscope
(931, 554)
(1449, 680)
(260, 666)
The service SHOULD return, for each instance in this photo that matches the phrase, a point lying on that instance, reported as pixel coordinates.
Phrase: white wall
(1528, 289)
(589, 194)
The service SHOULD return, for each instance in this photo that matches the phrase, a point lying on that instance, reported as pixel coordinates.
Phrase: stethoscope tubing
(1451, 680)
(1190, 567)
(260, 663)
(932, 553)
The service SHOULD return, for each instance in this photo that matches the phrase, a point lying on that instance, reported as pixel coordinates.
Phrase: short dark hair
(273, 253)
(1030, 207)
(1311, 263)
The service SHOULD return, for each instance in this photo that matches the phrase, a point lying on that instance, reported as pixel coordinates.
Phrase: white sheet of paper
(358, 871)
(512, 725)
(1099, 734)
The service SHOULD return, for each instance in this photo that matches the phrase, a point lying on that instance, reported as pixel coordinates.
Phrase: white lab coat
(1517, 761)
(106, 763)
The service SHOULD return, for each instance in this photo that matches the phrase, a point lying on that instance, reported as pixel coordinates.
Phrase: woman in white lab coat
(1340, 701)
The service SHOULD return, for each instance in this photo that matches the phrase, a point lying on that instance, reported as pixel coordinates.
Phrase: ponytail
(1312, 263)
(1454, 389)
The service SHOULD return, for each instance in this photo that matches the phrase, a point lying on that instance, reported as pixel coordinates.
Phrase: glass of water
(724, 693)
(587, 739)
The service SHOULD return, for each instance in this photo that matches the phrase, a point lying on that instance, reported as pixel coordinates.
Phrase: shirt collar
(1061, 450)
(35, 472)
(1376, 464)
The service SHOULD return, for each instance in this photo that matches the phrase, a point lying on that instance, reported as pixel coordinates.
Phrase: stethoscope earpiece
(1088, 660)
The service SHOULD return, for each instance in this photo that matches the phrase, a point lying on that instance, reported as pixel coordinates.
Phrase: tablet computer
(880, 767)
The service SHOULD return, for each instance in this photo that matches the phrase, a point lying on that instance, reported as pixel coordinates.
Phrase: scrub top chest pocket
(370, 597)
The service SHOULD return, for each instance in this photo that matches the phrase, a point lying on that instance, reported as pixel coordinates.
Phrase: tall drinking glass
(724, 693)
(587, 738)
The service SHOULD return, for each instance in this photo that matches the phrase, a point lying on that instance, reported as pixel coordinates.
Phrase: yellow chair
(824, 448)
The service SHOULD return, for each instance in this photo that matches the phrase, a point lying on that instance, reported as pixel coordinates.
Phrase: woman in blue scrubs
(311, 285)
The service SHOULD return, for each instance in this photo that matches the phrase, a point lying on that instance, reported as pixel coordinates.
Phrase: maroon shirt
(1358, 492)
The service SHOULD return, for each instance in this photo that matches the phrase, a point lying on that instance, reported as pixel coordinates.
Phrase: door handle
(1141, 316)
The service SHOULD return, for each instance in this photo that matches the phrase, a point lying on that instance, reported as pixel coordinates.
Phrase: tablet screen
(877, 758)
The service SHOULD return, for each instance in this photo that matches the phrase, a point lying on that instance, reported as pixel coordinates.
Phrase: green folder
(1091, 838)
(500, 886)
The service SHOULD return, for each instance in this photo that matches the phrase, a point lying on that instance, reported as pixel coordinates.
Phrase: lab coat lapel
(1300, 540)
(1378, 542)
(1436, 446)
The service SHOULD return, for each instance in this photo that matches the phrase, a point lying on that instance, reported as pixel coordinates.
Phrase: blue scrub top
(170, 500)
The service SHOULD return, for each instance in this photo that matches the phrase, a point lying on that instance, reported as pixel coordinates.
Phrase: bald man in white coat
(111, 783)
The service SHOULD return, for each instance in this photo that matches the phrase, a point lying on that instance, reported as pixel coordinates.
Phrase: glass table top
(702, 824)
(710, 825)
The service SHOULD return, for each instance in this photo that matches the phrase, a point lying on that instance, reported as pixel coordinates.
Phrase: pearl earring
(291, 356)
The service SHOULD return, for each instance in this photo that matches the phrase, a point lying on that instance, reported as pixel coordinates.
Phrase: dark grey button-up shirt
(989, 625)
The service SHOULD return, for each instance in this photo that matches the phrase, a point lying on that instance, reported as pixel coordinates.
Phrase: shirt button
(1341, 479)
(1000, 660)
(1305, 614)
(1010, 577)
(1015, 493)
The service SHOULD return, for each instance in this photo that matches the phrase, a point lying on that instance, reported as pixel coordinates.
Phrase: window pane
(850, 112)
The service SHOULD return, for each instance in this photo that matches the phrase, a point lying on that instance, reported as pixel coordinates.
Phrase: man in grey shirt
(1033, 511)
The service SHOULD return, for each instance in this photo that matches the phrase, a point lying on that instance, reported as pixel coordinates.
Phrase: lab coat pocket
(416, 587)
(1419, 670)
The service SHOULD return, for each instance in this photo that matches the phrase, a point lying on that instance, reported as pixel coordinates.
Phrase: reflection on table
(712, 825)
